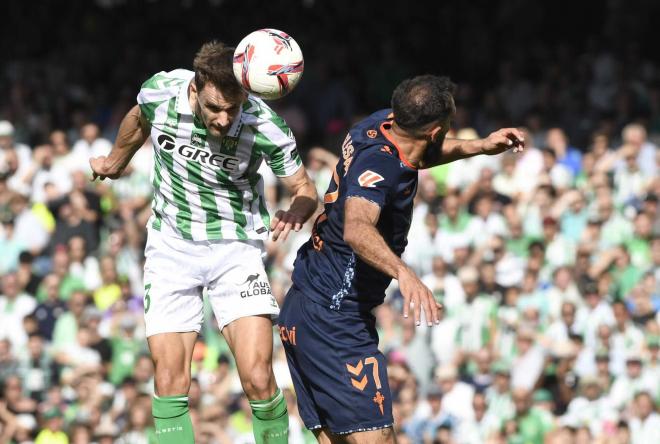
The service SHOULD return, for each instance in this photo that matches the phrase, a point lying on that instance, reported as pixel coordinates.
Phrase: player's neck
(411, 147)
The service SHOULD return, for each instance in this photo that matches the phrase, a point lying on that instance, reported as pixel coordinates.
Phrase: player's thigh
(172, 285)
(323, 436)
(238, 287)
(251, 341)
(380, 436)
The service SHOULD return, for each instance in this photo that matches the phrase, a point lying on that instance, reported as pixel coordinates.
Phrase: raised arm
(361, 234)
(304, 201)
(496, 143)
(133, 132)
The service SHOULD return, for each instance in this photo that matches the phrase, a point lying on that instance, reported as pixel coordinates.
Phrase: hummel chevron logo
(369, 179)
(356, 370)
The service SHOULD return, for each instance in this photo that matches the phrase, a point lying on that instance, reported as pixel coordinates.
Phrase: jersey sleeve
(278, 146)
(373, 176)
(156, 90)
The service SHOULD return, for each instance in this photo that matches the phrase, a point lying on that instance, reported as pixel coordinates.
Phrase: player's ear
(435, 133)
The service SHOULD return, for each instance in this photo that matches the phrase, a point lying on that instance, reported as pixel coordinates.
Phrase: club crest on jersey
(196, 139)
(369, 179)
(229, 145)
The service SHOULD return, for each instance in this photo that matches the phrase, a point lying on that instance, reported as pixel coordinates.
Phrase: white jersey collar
(182, 100)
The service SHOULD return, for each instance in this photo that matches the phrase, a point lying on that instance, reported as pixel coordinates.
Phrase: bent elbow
(349, 237)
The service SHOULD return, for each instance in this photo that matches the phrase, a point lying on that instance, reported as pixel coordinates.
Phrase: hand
(101, 170)
(415, 293)
(284, 222)
(502, 140)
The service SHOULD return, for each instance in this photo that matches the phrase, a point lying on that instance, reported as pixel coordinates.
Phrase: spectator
(530, 424)
(47, 312)
(66, 325)
(528, 364)
(10, 246)
(110, 291)
(456, 395)
(8, 362)
(52, 432)
(14, 306)
(632, 381)
(645, 425)
(566, 155)
(591, 409)
(37, 368)
(89, 145)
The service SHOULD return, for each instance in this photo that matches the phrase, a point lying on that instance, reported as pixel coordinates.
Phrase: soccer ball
(268, 63)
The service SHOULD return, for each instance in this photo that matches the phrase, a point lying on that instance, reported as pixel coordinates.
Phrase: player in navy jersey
(341, 273)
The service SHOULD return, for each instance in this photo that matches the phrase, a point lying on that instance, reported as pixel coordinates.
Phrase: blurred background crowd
(547, 263)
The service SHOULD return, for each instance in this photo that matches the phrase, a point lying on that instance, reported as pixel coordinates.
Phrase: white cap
(468, 274)
(6, 128)
(446, 372)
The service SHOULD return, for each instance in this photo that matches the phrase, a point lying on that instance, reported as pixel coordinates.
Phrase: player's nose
(223, 119)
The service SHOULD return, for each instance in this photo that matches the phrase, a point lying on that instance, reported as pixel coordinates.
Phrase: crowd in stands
(547, 263)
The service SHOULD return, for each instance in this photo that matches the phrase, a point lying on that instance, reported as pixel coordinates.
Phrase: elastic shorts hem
(352, 429)
(256, 311)
(361, 428)
(156, 331)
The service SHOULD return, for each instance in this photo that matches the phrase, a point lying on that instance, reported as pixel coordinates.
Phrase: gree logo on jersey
(219, 160)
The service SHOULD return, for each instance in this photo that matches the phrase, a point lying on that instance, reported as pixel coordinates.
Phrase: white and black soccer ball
(268, 63)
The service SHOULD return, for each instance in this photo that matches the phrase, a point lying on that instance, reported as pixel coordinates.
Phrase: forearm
(456, 149)
(304, 201)
(133, 132)
(369, 245)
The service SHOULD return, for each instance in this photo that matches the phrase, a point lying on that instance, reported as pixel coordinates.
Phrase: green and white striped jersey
(206, 188)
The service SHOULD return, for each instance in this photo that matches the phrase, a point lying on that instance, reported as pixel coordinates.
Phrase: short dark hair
(214, 63)
(421, 100)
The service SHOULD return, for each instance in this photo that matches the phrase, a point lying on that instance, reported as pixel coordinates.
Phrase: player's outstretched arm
(361, 234)
(303, 204)
(496, 143)
(133, 132)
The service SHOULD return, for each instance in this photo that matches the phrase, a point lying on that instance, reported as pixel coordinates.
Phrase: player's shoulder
(370, 140)
(167, 80)
(256, 113)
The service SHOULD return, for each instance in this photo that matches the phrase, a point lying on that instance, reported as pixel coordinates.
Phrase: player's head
(218, 96)
(423, 107)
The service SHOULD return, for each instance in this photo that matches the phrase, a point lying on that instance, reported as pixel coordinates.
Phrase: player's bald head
(422, 100)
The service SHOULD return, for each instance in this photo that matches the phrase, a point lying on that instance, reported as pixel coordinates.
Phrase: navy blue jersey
(371, 167)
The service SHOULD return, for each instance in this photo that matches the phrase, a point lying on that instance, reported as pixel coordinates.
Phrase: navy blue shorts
(338, 372)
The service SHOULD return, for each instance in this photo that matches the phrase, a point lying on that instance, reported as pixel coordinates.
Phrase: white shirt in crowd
(11, 318)
(527, 368)
(82, 151)
(645, 431)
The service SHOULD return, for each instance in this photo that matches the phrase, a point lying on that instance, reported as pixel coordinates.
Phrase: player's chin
(215, 132)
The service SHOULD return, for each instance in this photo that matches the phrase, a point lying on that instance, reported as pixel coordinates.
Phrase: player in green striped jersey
(207, 229)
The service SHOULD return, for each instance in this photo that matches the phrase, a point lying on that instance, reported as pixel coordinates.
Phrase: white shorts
(177, 270)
